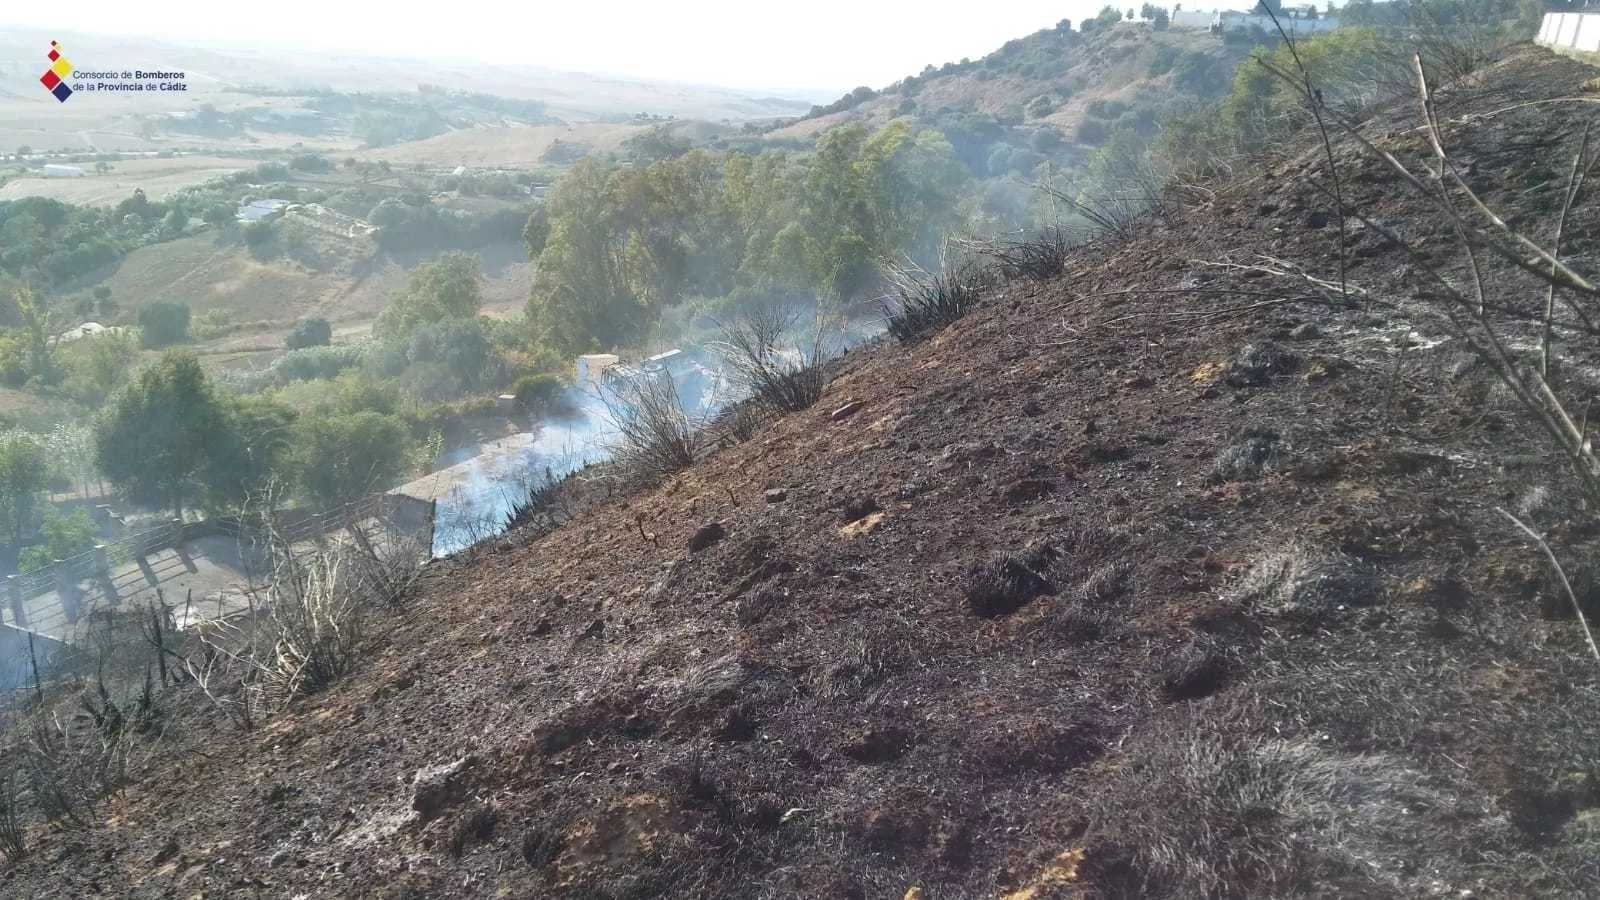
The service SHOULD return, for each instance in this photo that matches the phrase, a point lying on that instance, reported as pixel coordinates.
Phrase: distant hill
(1054, 80)
(233, 78)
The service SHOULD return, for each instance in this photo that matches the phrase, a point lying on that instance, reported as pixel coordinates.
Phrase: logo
(59, 69)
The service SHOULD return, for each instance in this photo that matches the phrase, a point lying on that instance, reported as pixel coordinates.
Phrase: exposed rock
(706, 535)
(436, 788)
(847, 410)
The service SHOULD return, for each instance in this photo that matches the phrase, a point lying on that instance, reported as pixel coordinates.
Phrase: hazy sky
(828, 45)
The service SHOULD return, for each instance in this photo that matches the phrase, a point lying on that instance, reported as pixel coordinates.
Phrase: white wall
(1578, 30)
(1230, 21)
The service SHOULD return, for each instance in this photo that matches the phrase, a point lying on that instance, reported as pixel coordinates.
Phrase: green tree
(448, 287)
(309, 333)
(580, 297)
(218, 215)
(24, 473)
(343, 458)
(153, 441)
(251, 452)
(40, 363)
(536, 232)
(174, 222)
(63, 538)
(654, 144)
(95, 366)
(162, 324)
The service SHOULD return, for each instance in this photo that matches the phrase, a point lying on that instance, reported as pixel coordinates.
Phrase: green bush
(211, 324)
(315, 363)
(1106, 109)
(538, 391)
(162, 324)
(1093, 131)
(309, 333)
(62, 537)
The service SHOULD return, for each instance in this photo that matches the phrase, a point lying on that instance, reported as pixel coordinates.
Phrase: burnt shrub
(1194, 813)
(1199, 670)
(1256, 364)
(1301, 583)
(476, 827)
(1039, 257)
(540, 847)
(923, 302)
(1001, 586)
(1257, 450)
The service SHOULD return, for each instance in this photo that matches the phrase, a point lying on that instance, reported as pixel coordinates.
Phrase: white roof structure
(256, 210)
(87, 329)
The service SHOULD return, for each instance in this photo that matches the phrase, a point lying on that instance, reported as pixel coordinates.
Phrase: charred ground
(1149, 578)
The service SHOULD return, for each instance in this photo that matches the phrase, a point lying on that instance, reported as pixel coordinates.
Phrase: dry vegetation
(1184, 573)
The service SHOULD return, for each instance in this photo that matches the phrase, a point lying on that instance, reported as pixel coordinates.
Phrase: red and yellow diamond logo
(54, 77)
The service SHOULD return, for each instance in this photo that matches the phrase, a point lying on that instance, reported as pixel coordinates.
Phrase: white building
(591, 367)
(1193, 18)
(55, 170)
(260, 210)
(1293, 21)
(87, 329)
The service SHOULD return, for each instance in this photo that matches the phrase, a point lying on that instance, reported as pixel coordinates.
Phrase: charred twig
(1566, 586)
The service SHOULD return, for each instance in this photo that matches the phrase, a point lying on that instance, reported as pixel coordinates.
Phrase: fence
(50, 604)
(1571, 30)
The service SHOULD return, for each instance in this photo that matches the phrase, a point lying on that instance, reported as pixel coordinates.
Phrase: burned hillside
(1180, 573)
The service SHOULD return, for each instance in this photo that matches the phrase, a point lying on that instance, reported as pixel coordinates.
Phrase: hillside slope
(1068, 69)
(1030, 619)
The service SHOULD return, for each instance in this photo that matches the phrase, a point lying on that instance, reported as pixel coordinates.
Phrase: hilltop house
(260, 210)
(1300, 20)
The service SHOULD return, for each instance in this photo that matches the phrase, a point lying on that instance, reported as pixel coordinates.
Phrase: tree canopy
(154, 440)
(624, 243)
(448, 287)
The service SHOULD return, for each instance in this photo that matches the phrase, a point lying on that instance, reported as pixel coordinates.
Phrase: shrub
(162, 324)
(315, 363)
(1038, 258)
(1256, 364)
(1106, 109)
(63, 537)
(1001, 586)
(656, 436)
(1093, 131)
(923, 302)
(257, 236)
(1258, 450)
(537, 392)
(788, 382)
(309, 333)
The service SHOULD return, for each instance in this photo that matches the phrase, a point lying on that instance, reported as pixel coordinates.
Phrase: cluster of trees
(26, 473)
(621, 244)
(172, 440)
(413, 222)
(50, 243)
(1353, 67)
(326, 424)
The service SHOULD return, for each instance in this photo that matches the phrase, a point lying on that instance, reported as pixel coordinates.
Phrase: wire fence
(47, 613)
